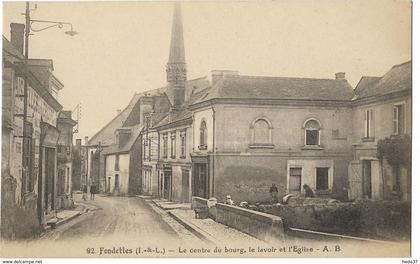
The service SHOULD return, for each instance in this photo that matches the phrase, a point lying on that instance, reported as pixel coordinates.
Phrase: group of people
(92, 191)
(274, 194)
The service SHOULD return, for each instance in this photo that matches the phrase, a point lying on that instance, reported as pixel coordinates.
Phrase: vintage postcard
(206, 129)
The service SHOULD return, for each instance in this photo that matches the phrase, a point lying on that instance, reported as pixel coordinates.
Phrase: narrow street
(110, 226)
(115, 217)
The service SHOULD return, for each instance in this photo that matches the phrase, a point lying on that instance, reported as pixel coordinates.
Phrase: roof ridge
(203, 77)
(366, 76)
(276, 77)
(401, 64)
(113, 119)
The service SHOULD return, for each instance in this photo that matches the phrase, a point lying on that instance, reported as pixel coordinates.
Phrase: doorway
(322, 179)
(367, 179)
(117, 183)
(200, 180)
(185, 186)
(167, 178)
(49, 179)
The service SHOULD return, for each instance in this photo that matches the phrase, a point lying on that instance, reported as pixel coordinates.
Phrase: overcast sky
(122, 48)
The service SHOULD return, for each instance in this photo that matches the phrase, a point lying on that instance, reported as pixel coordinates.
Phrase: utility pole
(25, 171)
(26, 144)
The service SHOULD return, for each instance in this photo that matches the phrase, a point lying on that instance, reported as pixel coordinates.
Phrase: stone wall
(377, 220)
(17, 221)
(260, 225)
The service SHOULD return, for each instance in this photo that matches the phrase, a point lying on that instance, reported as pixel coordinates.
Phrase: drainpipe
(214, 137)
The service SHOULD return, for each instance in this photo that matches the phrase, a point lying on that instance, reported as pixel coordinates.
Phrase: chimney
(86, 140)
(340, 76)
(217, 75)
(78, 143)
(17, 36)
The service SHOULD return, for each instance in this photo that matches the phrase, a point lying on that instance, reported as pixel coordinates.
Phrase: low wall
(198, 202)
(376, 220)
(264, 226)
(17, 221)
(260, 225)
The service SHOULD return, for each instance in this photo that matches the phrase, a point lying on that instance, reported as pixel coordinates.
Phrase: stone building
(28, 195)
(210, 144)
(65, 125)
(167, 144)
(237, 135)
(244, 133)
(381, 108)
(78, 166)
(251, 132)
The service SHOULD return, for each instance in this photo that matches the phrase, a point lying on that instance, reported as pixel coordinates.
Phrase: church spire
(176, 71)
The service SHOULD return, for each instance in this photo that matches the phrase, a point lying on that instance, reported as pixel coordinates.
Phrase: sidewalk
(167, 205)
(206, 229)
(64, 216)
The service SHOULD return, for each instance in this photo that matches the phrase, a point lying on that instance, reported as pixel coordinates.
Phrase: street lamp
(58, 24)
(28, 28)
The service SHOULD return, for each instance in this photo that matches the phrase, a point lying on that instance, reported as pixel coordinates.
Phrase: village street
(128, 219)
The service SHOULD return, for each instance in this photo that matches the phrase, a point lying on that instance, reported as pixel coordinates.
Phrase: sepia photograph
(206, 129)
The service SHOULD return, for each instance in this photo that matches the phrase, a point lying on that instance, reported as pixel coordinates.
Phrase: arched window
(261, 132)
(312, 132)
(203, 135)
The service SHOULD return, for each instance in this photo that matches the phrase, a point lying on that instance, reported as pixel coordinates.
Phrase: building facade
(381, 109)
(65, 125)
(245, 133)
(29, 180)
(237, 135)
(251, 132)
(78, 170)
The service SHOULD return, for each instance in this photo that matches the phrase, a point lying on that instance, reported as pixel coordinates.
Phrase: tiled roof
(249, 87)
(191, 87)
(36, 78)
(106, 135)
(11, 50)
(398, 78)
(174, 116)
(114, 148)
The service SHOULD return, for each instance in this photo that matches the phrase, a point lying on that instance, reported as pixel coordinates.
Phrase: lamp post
(28, 28)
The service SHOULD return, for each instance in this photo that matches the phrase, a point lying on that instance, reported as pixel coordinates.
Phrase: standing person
(274, 193)
(84, 192)
(308, 191)
(92, 190)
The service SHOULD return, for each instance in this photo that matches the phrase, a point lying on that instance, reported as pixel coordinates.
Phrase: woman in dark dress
(92, 191)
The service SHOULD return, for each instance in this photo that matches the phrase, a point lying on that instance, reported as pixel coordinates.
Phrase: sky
(122, 47)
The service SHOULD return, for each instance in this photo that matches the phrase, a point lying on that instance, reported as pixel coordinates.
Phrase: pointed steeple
(177, 52)
(176, 70)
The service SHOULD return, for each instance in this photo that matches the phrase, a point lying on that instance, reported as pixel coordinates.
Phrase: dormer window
(203, 135)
